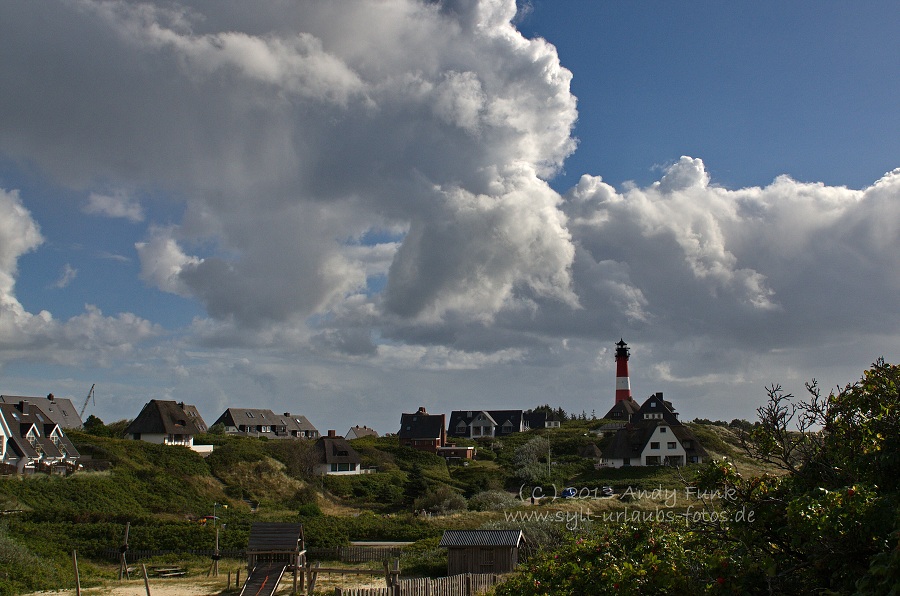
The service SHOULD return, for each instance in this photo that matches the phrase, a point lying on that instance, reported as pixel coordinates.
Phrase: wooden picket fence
(467, 584)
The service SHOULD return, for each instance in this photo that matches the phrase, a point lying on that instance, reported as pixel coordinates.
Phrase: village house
(482, 551)
(358, 432)
(258, 422)
(654, 437)
(422, 431)
(31, 441)
(166, 422)
(477, 424)
(336, 456)
(645, 435)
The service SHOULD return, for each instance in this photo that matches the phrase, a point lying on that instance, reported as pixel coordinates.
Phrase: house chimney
(422, 410)
(50, 396)
(623, 382)
(23, 406)
(288, 414)
(332, 434)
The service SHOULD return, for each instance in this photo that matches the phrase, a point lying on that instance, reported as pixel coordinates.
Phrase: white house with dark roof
(653, 436)
(32, 441)
(166, 422)
(336, 456)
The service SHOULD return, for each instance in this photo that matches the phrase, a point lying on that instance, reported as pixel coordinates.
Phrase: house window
(461, 428)
(507, 428)
(249, 414)
(626, 461)
(341, 468)
(652, 460)
(652, 404)
(654, 445)
(662, 429)
(670, 445)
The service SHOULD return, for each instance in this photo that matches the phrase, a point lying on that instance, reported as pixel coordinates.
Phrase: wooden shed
(482, 551)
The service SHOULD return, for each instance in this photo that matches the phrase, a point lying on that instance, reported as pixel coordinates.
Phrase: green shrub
(440, 501)
(493, 500)
(424, 558)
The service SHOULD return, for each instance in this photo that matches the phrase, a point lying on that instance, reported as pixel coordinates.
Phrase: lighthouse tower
(623, 383)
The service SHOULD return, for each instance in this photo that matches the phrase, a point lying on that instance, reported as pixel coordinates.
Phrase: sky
(348, 210)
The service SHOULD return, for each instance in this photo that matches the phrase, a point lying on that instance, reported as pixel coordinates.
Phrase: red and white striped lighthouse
(623, 383)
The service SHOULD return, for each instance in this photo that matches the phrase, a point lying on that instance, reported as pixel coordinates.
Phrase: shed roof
(275, 537)
(462, 538)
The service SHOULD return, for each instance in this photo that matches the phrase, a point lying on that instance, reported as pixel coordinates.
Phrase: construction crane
(90, 397)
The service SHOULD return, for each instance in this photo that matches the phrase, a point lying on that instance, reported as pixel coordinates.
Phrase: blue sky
(352, 213)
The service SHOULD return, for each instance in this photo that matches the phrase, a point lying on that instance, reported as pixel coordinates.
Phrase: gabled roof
(591, 451)
(284, 425)
(361, 431)
(683, 434)
(627, 442)
(337, 450)
(165, 417)
(24, 418)
(299, 423)
(59, 409)
(248, 416)
(655, 404)
(461, 538)
(622, 410)
(421, 425)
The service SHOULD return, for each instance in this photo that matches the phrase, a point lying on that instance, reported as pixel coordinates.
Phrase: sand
(203, 586)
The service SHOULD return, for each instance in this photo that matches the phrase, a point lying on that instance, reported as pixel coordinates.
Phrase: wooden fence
(345, 554)
(468, 584)
(354, 554)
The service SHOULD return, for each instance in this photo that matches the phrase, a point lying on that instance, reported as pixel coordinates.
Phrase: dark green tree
(416, 485)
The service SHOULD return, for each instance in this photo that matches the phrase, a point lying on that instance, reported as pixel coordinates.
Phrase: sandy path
(198, 586)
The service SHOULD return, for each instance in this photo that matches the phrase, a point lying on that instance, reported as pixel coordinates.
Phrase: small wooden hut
(274, 548)
(482, 551)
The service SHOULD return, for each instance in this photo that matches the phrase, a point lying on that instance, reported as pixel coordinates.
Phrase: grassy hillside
(165, 491)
